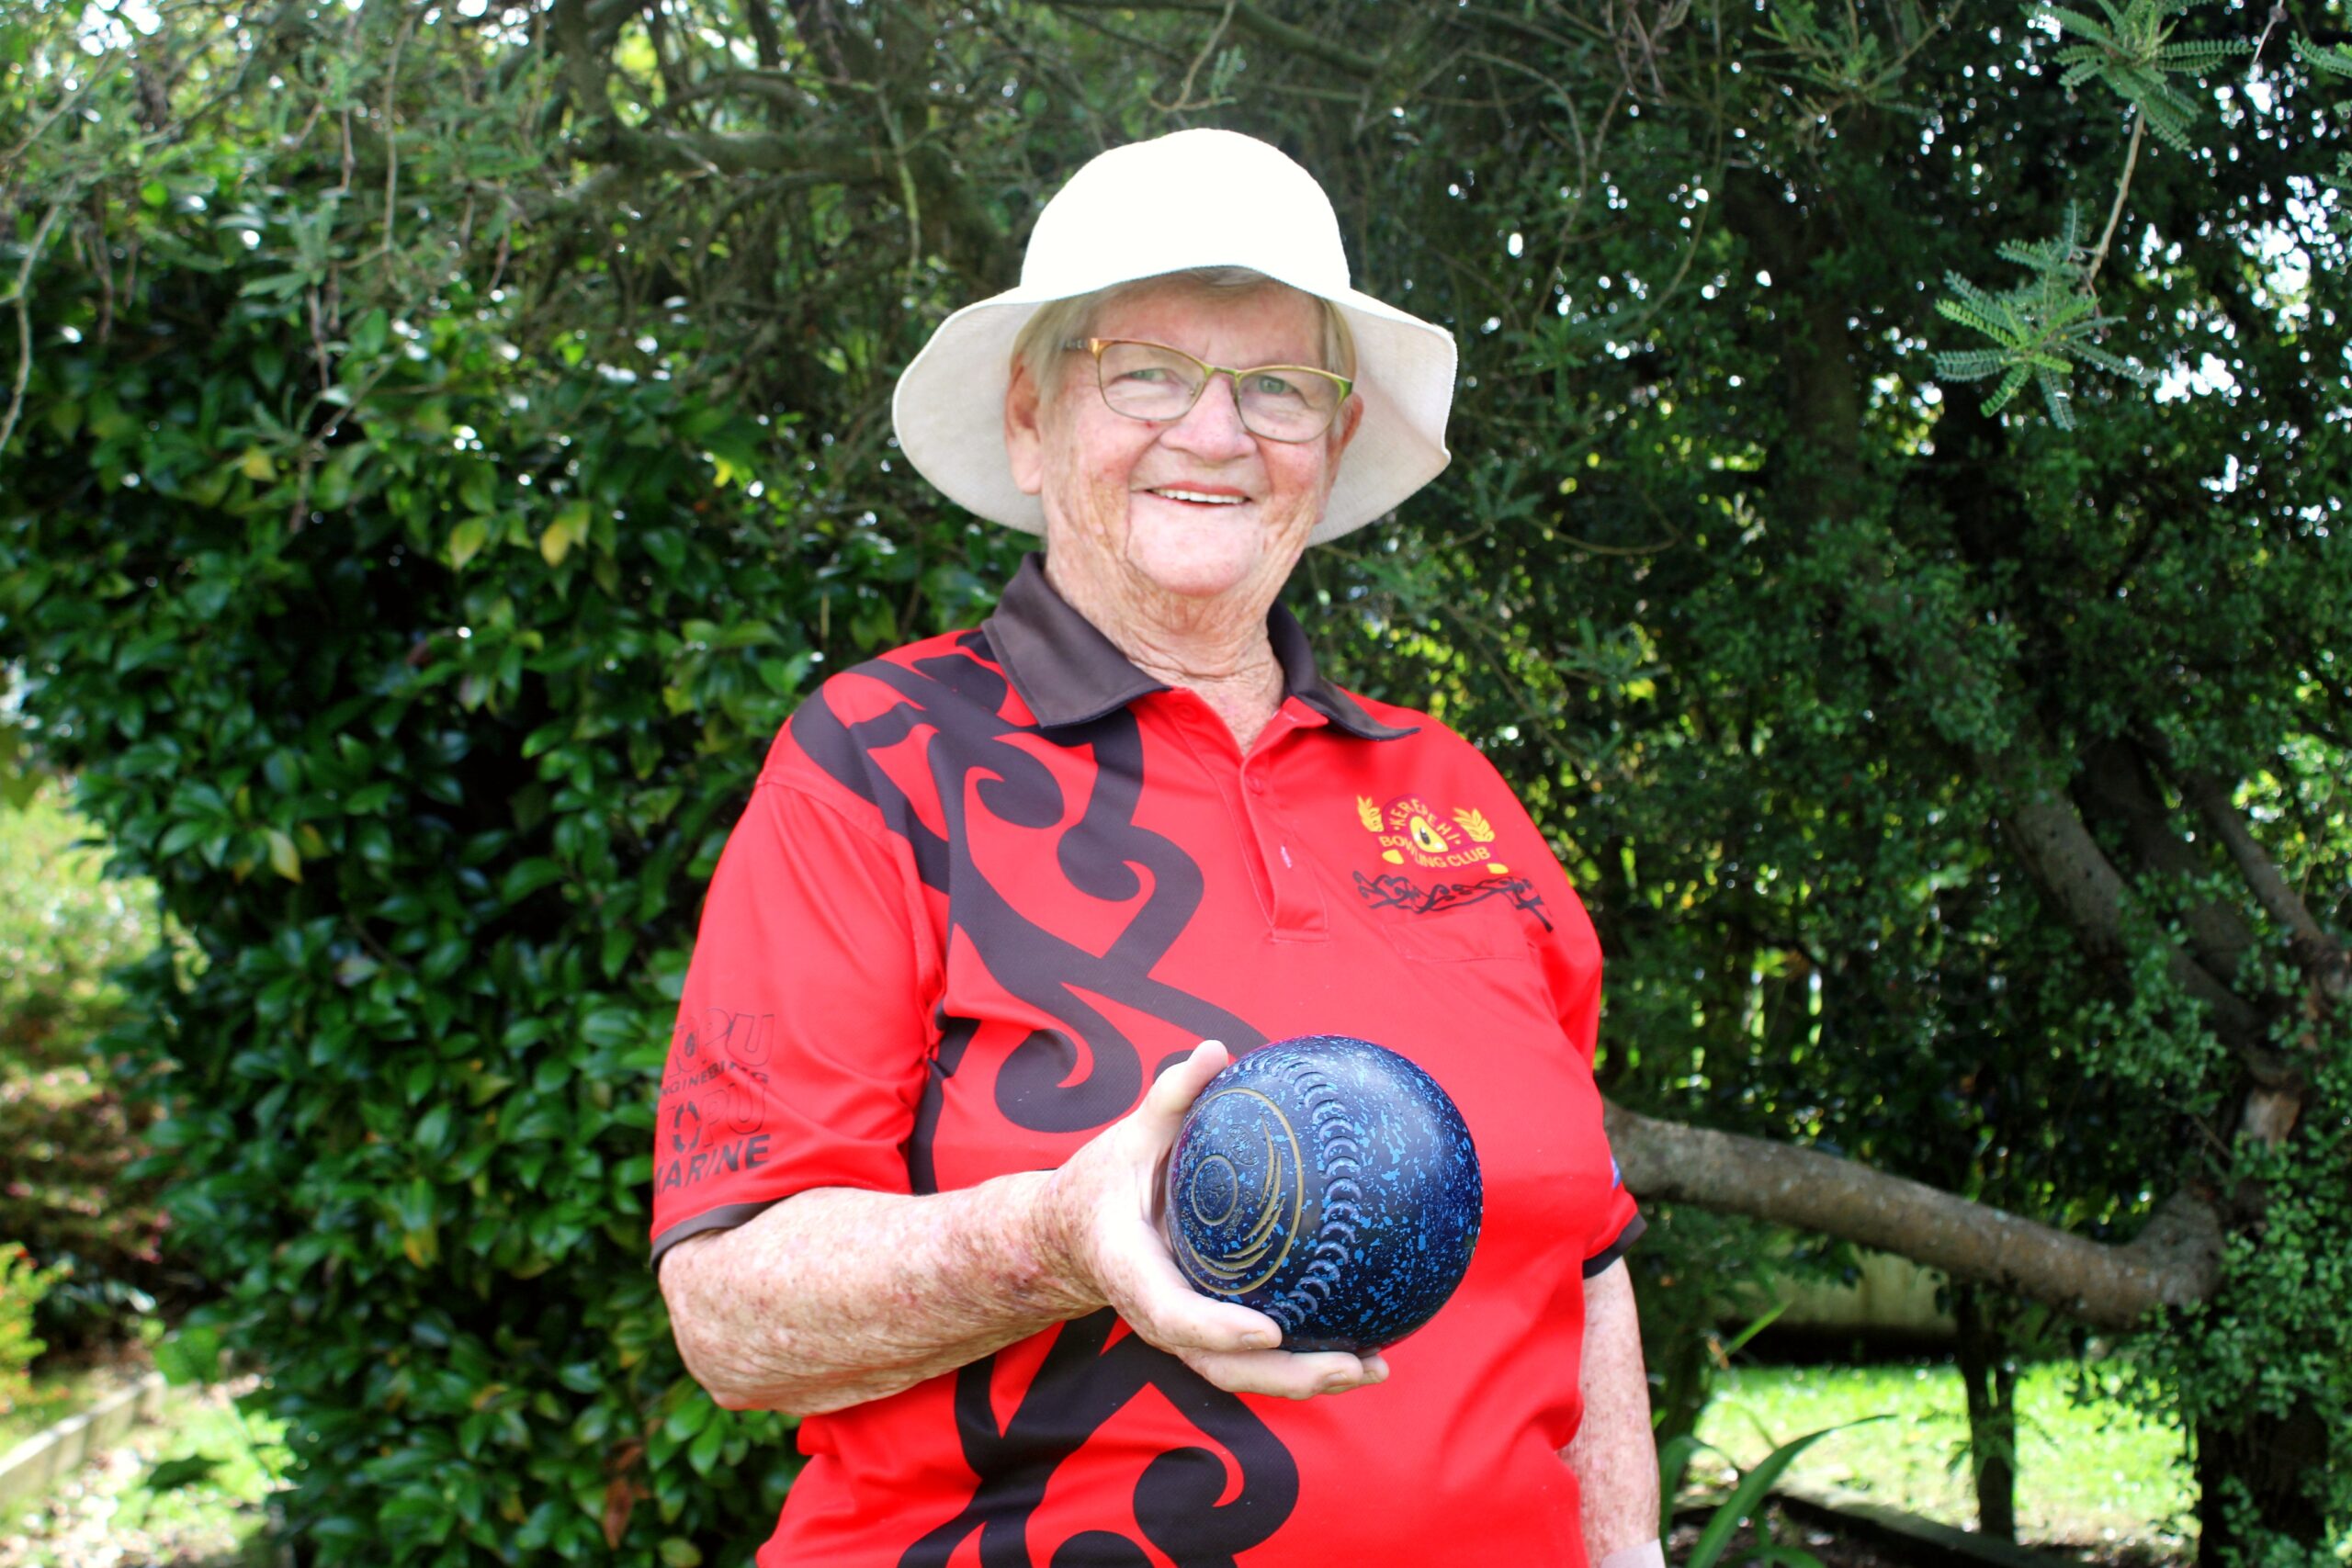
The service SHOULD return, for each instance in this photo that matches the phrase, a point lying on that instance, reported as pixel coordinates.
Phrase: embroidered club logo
(1410, 831)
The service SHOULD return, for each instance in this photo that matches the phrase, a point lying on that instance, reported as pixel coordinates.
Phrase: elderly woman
(1005, 900)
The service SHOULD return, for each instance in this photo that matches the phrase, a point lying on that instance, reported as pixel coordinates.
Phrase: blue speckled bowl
(1329, 1184)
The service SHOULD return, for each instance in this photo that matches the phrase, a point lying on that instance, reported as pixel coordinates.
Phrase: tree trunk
(2251, 1480)
(1989, 1375)
(2175, 1260)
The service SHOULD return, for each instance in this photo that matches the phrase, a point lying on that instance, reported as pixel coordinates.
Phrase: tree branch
(2263, 878)
(18, 298)
(2048, 834)
(2115, 214)
(2175, 1260)
(2118, 784)
(736, 152)
(766, 39)
(1250, 19)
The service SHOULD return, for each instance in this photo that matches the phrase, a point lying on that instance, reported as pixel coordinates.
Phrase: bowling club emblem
(1409, 830)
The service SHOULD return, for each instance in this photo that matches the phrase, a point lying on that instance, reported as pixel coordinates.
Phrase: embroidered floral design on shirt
(1394, 892)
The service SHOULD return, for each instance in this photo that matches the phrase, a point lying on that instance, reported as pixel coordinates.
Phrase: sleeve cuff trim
(727, 1216)
(1616, 1249)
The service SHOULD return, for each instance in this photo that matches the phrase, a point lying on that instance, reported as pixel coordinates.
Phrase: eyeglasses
(1153, 382)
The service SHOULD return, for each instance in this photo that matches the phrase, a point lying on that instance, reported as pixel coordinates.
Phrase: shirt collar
(1069, 673)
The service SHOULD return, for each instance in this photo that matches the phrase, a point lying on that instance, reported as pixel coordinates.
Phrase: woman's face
(1197, 507)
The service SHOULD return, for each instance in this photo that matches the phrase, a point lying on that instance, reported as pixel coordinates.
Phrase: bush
(428, 798)
(69, 1127)
(427, 713)
(22, 1286)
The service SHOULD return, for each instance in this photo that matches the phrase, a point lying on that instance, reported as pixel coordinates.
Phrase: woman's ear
(1343, 429)
(1024, 438)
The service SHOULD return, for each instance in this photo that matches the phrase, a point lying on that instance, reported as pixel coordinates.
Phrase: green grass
(2086, 1472)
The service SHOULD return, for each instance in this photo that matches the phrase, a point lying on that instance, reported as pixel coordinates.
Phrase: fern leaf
(2055, 399)
(2091, 354)
(2202, 54)
(2171, 129)
(2003, 333)
(2007, 391)
(1967, 364)
(2076, 74)
(2336, 61)
(2083, 27)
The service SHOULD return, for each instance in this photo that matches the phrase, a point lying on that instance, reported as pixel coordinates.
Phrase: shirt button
(1257, 784)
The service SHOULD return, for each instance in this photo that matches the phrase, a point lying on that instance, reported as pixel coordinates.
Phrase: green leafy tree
(442, 448)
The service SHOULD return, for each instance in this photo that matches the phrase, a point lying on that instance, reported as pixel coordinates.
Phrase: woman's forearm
(1615, 1456)
(837, 1296)
(834, 1296)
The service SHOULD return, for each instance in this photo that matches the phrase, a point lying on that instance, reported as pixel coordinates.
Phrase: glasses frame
(1095, 346)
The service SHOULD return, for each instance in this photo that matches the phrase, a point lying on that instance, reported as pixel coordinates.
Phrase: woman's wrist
(1650, 1554)
(1055, 1280)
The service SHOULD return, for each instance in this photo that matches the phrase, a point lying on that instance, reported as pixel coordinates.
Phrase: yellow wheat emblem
(1368, 814)
(1474, 823)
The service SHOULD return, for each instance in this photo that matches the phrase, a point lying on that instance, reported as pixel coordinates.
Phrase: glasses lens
(1284, 403)
(1143, 381)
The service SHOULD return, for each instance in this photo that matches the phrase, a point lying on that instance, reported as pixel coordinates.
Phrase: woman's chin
(1197, 579)
(1203, 565)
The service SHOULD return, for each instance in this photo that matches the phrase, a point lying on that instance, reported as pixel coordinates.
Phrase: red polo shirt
(991, 883)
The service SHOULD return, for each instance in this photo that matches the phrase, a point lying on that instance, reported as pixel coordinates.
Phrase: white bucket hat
(1123, 217)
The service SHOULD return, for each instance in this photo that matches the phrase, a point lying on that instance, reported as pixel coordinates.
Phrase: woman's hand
(1099, 1226)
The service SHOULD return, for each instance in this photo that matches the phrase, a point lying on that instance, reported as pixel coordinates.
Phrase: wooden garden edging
(35, 1465)
(1920, 1542)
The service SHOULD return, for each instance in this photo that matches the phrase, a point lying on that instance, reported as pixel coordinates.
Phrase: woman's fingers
(1286, 1375)
(1173, 1091)
(1143, 1283)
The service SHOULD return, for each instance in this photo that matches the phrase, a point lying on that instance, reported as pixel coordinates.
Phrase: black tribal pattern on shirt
(960, 699)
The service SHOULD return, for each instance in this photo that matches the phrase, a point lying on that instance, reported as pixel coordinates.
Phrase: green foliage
(22, 1286)
(420, 649)
(2333, 60)
(2043, 328)
(437, 882)
(2265, 1348)
(2039, 329)
(1746, 1500)
(69, 1129)
(2133, 53)
(1846, 60)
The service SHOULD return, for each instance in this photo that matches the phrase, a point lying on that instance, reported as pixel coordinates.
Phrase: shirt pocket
(1452, 922)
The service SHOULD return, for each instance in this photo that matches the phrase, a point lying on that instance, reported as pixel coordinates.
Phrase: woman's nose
(1212, 427)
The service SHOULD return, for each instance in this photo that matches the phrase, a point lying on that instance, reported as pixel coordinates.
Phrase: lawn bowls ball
(1330, 1184)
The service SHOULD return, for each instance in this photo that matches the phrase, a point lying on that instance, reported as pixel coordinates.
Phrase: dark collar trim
(1303, 680)
(1065, 670)
(1069, 673)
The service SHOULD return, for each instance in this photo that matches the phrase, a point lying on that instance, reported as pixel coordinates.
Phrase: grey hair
(1038, 349)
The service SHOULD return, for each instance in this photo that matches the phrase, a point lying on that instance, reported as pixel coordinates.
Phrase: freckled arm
(837, 1296)
(1613, 1453)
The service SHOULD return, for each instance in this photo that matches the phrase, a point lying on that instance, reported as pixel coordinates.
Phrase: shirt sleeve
(802, 1036)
